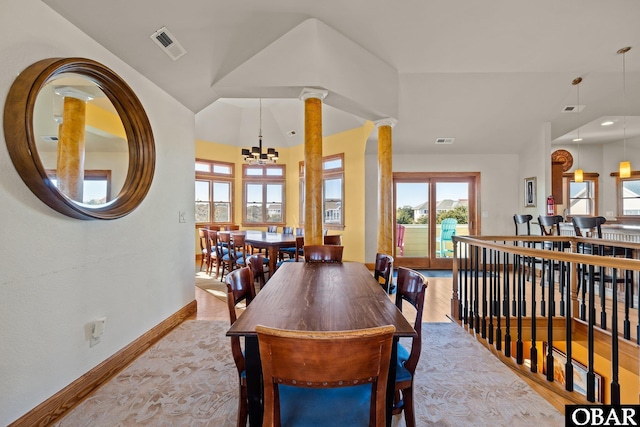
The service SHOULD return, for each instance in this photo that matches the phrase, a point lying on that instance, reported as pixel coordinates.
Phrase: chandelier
(255, 156)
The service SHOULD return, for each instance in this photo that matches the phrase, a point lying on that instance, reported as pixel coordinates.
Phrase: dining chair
(411, 287)
(238, 250)
(298, 249)
(272, 229)
(226, 257)
(210, 242)
(336, 378)
(323, 253)
(383, 271)
(335, 239)
(257, 262)
(204, 252)
(522, 221)
(550, 226)
(288, 251)
(239, 288)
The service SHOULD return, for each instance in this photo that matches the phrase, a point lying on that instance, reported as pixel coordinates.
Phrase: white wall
(499, 188)
(58, 274)
(604, 159)
(535, 161)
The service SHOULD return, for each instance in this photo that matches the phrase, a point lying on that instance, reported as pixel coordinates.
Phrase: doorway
(431, 208)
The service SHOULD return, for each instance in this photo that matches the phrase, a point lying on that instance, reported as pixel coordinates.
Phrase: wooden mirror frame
(21, 140)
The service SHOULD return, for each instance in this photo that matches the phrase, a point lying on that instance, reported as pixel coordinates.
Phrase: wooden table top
(321, 297)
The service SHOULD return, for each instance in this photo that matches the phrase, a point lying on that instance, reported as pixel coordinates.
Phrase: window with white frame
(582, 197)
(628, 195)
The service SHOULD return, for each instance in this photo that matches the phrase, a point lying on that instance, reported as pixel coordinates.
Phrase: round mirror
(79, 138)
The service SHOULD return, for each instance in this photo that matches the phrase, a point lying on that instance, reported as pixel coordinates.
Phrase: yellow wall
(352, 143)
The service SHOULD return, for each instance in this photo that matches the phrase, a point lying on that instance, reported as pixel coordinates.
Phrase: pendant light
(255, 156)
(625, 165)
(578, 174)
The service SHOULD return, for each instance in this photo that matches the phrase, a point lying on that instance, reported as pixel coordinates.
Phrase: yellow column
(385, 186)
(71, 141)
(313, 234)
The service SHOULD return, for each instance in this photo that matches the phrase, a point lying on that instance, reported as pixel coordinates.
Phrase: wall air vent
(168, 43)
(444, 141)
(573, 108)
(50, 138)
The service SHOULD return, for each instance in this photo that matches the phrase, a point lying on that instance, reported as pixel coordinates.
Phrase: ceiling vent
(50, 138)
(168, 43)
(444, 141)
(573, 108)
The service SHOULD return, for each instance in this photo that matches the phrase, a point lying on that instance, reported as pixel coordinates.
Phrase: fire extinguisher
(551, 206)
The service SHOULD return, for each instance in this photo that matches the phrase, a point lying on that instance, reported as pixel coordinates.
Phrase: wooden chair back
(323, 253)
(411, 287)
(256, 263)
(211, 241)
(335, 239)
(383, 270)
(272, 229)
(325, 360)
(239, 288)
(204, 260)
(287, 230)
(239, 249)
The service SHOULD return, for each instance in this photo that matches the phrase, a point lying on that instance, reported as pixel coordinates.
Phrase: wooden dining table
(271, 242)
(316, 297)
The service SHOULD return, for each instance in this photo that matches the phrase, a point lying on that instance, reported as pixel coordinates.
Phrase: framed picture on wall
(530, 192)
(579, 373)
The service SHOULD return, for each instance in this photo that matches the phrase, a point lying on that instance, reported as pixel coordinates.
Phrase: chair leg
(409, 416)
(242, 406)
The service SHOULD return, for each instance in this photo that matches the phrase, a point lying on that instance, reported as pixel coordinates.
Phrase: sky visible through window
(415, 193)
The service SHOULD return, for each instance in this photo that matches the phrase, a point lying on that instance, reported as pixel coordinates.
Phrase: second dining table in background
(272, 242)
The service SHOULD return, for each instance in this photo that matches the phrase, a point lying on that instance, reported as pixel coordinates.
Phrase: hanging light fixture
(255, 156)
(578, 174)
(625, 165)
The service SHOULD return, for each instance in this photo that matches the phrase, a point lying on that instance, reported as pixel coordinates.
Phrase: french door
(430, 209)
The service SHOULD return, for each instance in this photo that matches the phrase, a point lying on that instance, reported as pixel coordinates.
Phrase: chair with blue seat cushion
(411, 287)
(238, 250)
(336, 378)
(225, 259)
(239, 288)
(299, 249)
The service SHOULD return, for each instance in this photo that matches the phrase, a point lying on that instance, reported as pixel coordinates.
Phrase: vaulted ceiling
(485, 73)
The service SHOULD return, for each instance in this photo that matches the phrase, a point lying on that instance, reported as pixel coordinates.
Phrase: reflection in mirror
(81, 140)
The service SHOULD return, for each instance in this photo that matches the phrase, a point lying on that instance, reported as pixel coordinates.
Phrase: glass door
(430, 209)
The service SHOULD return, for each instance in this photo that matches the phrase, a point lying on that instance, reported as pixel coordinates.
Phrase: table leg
(254, 381)
(273, 259)
(391, 380)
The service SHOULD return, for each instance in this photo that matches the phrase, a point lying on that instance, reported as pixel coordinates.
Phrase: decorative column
(71, 141)
(385, 186)
(313, 234)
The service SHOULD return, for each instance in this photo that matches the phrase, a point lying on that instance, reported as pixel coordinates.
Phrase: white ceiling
(486, 73)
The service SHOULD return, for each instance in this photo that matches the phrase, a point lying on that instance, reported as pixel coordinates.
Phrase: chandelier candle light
(578, 174)
(625, 165)
(255, 156)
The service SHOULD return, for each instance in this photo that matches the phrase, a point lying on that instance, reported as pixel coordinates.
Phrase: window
(581, 197)
(332, 191)
(263, 194)
(628, 195)
(96, 188)
(214, 192)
